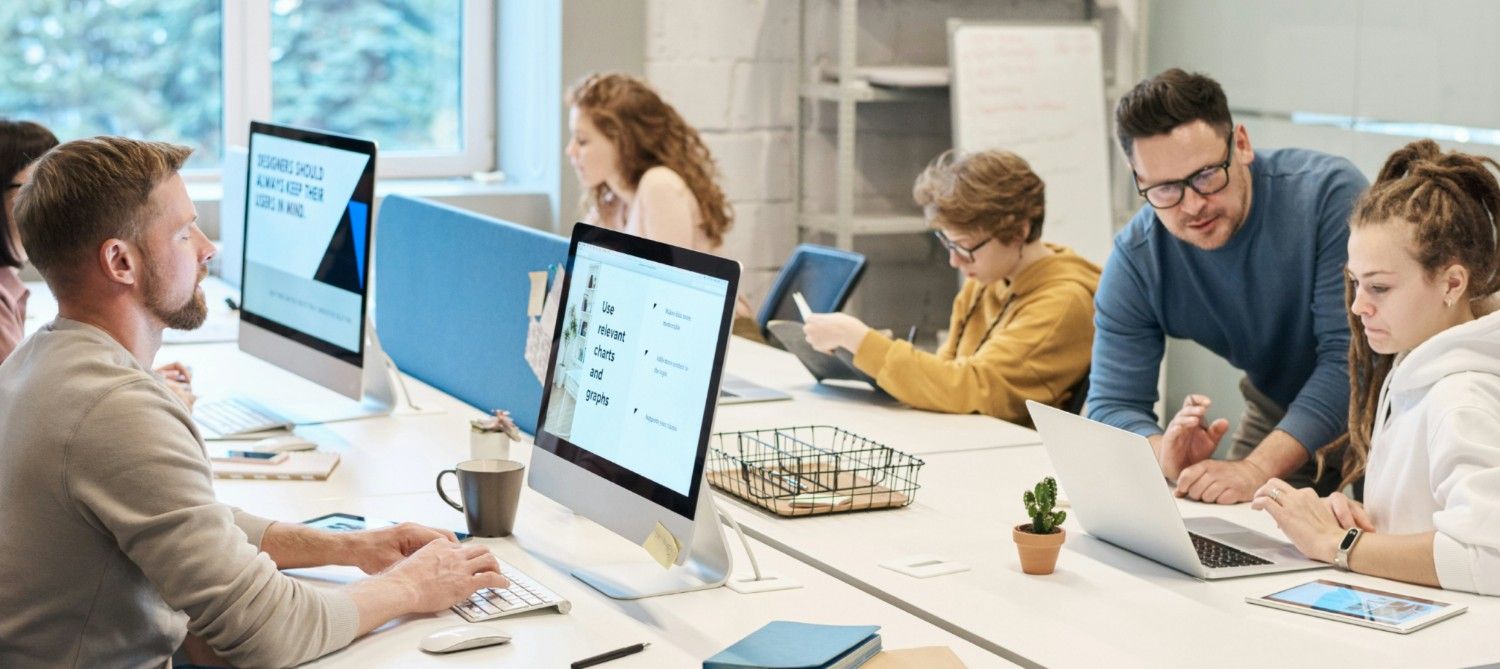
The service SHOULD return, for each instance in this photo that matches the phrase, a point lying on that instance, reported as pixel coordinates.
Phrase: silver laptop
(1117, 490)
(735, 390)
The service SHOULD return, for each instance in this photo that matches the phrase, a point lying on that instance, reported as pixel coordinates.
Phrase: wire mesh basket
(811, 470)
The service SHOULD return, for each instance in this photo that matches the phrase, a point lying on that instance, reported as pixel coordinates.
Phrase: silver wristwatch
(1341, 559)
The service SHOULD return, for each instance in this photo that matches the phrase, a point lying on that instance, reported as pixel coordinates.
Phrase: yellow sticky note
(538, 293)
(662, 546)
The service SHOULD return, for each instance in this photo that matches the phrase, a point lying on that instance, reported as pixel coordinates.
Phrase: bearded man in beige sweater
(112, 546)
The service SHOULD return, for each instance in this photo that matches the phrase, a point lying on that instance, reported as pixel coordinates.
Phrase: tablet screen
(347, 522)
(1357, 602)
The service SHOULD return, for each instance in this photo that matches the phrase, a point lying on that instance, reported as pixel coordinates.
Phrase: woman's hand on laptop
(1349, 512)
(1307, 520)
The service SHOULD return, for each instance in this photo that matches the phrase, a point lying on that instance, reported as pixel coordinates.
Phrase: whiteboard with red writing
(1037, 90)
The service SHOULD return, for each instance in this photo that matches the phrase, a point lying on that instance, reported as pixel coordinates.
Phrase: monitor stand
(708, 563)
(378, 395)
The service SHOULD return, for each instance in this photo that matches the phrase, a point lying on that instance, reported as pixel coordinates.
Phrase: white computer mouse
(283, 443)
(462, 637)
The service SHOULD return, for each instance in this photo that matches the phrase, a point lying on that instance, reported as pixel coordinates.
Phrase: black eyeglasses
(1204, 182)
(964, 254)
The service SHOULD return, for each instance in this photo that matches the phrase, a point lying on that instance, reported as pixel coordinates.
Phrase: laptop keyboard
(524, 594)
(1215, 555)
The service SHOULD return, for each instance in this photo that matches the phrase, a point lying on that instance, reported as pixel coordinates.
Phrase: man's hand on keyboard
(443, 572)
(375, 551)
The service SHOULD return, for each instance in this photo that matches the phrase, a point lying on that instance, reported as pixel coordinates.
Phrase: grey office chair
(825, 277)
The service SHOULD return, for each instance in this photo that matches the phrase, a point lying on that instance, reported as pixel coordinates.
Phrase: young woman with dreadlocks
(1424, 379)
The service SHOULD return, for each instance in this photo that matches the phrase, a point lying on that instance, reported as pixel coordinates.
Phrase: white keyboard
(236, 416)
(524, 594)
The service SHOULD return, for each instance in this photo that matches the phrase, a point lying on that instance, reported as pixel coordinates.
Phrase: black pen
(611, 655)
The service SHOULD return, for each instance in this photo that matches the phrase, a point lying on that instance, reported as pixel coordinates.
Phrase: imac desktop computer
(628, 404)
(305, 277)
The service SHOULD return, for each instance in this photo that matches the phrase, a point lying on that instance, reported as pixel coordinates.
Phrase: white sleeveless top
(664, 210)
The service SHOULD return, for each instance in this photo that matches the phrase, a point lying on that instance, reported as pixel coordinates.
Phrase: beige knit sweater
(112, 546)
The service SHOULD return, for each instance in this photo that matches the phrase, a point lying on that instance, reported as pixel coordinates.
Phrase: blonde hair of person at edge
(645, 171)
(1023, 323)
(1424, 378)
(21, 144)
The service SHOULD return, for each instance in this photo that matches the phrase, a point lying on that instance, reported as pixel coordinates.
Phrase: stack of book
(791, 645)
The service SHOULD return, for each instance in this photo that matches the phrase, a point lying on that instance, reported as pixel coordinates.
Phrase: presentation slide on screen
(634, 363)
(305, 239)
(1366, 605)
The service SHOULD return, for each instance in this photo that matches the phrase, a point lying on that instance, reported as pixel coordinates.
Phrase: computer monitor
(628, 404)
(307, 234)
(232, 214)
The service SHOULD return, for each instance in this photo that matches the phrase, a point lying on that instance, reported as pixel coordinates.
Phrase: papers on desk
(213, 331)
(929, 657)
(304, 466)
(784, 644)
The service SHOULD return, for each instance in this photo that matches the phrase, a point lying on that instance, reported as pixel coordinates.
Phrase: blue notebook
(783, 644)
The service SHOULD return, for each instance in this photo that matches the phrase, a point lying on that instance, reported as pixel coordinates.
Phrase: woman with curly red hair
(644, 170)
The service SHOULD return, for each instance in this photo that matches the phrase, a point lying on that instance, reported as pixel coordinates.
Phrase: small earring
(1448, 302)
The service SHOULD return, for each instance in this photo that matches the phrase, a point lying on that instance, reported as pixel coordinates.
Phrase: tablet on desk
(346, 522)
(837, 366)
(1381, 610)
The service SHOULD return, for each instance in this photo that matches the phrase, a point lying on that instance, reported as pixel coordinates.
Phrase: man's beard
(187, 316)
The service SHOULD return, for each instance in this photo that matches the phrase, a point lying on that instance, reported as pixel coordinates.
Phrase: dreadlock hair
(1452, 202)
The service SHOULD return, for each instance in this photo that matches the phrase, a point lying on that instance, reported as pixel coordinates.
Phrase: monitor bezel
(582, 458)
(364, 191)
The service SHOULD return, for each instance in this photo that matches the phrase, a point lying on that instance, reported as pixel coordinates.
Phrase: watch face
(1348, 541)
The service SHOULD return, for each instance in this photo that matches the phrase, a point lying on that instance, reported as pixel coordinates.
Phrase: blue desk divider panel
(451, 291)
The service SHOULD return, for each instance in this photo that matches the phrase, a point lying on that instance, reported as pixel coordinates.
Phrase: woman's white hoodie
(1435, 453)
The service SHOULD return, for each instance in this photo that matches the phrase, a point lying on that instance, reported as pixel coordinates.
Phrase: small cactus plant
(1039, 506)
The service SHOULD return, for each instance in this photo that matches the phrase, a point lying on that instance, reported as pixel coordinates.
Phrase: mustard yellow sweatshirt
(1038, 349)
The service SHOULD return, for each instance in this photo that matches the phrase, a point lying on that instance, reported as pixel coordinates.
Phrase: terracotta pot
(1038, 551)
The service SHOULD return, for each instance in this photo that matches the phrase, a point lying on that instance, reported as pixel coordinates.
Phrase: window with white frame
(414, 75)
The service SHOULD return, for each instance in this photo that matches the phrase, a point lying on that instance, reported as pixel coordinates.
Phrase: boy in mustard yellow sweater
(1023, 323)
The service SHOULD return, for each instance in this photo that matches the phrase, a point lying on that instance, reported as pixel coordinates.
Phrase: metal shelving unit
(849, 91)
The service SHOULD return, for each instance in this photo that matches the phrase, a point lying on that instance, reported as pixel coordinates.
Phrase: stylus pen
(611, 655)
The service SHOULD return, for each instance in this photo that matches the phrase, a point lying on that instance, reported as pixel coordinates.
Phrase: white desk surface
(855, 408)
(548, 541)
(388, 469)
(1089, 612)
(1103, 605)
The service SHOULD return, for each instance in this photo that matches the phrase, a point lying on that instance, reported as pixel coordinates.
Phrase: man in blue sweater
(1242, 252)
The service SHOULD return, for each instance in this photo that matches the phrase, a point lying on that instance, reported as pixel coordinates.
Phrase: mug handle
(444, 495)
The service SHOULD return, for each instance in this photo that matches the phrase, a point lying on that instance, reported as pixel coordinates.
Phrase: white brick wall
(729, 66)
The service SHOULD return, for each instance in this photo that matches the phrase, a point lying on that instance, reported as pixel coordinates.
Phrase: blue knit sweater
(1270, 301)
